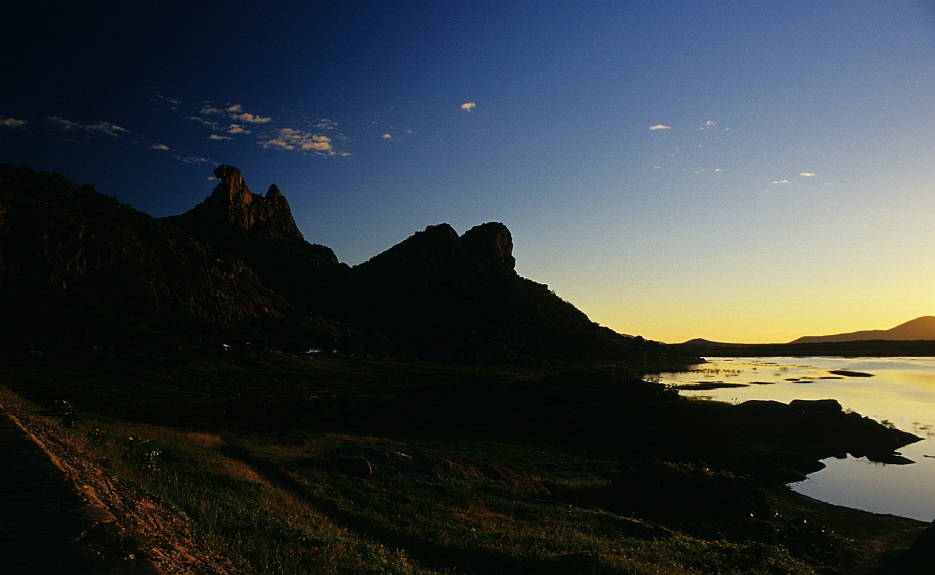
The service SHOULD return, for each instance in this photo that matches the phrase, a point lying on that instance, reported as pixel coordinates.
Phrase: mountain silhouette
(921, 328)
(438, 292)
(79, 270)
(261, 232)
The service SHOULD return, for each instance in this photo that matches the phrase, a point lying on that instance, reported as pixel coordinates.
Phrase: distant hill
(922, 328)
(79, 270)
(701, 342)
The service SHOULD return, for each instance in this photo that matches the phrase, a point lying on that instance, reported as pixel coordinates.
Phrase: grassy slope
(295, 466)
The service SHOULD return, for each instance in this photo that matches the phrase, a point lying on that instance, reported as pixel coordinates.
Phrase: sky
(738, 171)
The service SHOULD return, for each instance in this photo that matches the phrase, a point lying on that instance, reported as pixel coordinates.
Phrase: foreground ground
(137, 469)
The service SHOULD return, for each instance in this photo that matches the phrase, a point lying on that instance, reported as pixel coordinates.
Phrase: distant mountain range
(921, 328)
(916, 329)
(79, 271)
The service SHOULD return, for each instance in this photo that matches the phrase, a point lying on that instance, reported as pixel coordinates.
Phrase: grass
(311, 519)
(293, 466)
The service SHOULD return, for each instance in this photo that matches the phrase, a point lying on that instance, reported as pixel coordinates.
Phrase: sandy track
(61, 514)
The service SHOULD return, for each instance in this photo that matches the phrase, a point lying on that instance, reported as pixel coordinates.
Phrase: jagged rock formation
(262, 232)
(80, 269)
(491, 241)
(438, 293)
(234, 203)
(75, 264)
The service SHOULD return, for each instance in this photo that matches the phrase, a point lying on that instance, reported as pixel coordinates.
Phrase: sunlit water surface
(901, 392)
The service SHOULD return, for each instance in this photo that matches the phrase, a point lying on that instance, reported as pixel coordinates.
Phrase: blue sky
(740, 171)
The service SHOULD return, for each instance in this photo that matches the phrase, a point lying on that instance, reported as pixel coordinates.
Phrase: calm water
(901, 392)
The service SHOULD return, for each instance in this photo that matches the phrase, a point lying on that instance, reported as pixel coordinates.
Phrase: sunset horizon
(742, 173)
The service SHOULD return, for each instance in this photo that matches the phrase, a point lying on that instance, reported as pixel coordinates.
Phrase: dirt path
(61, 514)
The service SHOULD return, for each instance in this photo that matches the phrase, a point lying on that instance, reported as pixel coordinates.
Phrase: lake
(897, 391)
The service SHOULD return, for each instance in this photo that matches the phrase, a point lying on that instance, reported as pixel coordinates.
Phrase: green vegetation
(291, 465)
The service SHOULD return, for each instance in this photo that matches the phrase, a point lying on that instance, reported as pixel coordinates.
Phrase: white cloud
(387, 136)
(211, 111)
(12, 123)
(326, 124)
(207, 123)
(658, 127)
(808, 174)
(235, 112)
(468, 106)
(292, 139)
(162, 147)
(709, 124)
(219, 137)
(780, 182)
(194, 160)
(106, 128)
(237, 129)
(250, 118)
(173, 103)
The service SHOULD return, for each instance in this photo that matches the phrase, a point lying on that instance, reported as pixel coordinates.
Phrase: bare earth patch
(59, 513)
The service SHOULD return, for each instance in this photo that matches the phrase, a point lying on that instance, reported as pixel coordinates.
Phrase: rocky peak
(234, 203)
(491, 241)
(232, 186)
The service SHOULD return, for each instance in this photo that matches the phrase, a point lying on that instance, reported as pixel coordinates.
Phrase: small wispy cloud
(658, 127)
(326, 124)
(780, 182)
(387, 136)
(237, 129)
(161, 147)
(292, 139)
(106, 128)
(194, 159)
(206, 123)
(468, 106)
(231, 120)
(12, 123)
(251, 118)
(173, 103)
(808, 174)
(235, 112)
(710, 124)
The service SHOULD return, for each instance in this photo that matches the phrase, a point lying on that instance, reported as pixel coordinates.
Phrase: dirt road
(46, 524)
(61, 514)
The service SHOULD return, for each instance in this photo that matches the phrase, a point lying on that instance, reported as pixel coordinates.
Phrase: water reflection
(893, 391)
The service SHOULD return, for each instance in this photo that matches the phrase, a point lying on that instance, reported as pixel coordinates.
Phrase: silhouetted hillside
(437, 292)
(262, 232)
(78, 270)
(921, 328)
